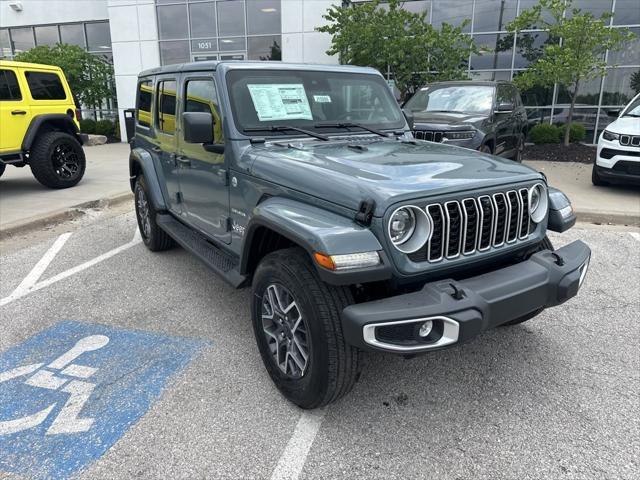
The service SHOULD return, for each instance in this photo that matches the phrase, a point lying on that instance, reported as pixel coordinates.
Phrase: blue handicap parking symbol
(68, 393)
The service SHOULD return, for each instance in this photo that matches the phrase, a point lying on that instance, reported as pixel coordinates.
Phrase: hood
(625, 126)
(385, 170)
(447, 118)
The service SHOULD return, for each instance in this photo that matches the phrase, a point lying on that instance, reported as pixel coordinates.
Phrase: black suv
(487, 116)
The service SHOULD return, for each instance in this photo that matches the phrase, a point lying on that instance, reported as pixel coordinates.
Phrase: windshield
(633, 109)
(452, 98)
(263, 99)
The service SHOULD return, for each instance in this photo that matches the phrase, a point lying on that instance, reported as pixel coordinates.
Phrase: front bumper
(460, 310)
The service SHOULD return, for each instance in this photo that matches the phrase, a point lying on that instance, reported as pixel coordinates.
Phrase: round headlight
(409, 228)
(538, 202)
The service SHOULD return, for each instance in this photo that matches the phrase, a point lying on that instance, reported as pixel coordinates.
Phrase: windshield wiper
(284, 128)
(351, 125)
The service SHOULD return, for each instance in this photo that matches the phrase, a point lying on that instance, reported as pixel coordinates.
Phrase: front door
(165, 141)
(203, 175)
(15, 114)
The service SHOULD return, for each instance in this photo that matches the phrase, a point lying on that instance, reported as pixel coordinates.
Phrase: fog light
(425, 329)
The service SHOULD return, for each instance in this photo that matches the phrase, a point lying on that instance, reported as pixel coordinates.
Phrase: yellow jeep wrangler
(38, 123)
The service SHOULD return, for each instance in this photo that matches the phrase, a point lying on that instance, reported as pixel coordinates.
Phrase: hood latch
(365, 212)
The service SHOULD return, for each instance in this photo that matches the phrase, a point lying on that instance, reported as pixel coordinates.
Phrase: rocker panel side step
(217, 260)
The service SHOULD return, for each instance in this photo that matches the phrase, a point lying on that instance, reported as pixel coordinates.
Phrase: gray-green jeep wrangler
(305, 183)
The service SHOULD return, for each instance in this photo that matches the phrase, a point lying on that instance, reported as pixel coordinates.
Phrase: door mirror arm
(213, 147)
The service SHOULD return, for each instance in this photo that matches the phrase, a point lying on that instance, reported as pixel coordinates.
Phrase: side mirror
(504, 107)
(408, 116)
(614, 112)
(197, 127)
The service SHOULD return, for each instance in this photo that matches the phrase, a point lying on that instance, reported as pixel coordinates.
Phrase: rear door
(203, 174)
(164, 144)
(15, 113)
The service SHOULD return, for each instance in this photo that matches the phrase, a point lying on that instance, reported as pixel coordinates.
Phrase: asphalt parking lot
(556, 397)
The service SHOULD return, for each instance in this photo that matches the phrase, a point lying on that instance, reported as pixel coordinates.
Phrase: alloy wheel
(66, 161)
(285, 331)
(143, 212)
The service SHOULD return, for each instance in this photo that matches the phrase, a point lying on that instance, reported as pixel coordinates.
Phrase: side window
(145, 99)
(503, 95)
(9, 88)
(166, 106)
(201, 96)
(45, 86)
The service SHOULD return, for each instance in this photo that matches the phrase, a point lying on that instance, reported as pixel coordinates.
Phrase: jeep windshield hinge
(365, 212)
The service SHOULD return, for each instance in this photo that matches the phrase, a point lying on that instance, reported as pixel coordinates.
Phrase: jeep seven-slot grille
(461, 227)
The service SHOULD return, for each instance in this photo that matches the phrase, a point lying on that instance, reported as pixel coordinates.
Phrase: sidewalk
(619, 204)
(24, 201)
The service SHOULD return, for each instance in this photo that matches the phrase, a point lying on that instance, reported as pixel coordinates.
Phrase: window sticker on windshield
(280, 102)
(322, 98)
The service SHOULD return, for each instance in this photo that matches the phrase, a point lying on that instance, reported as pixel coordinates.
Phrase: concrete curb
(62, 215)
(605, 218)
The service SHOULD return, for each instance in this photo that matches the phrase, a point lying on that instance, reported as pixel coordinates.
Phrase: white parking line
(37, 271)
(17, 294)
(295, 453)
(635, 235)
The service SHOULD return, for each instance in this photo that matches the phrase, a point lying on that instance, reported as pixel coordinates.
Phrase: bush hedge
(577, 132)
(88, 125)
(545, 133)
(104, 127)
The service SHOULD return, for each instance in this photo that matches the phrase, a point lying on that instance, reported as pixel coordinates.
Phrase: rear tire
(3, 166)
(154, 238)
(57, 160)
(545, 244)
(331, 366)
(595, 178)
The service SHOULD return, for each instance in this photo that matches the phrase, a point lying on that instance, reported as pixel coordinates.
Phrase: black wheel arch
(49, 122)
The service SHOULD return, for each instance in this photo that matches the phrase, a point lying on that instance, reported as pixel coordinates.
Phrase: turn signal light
(348, 261)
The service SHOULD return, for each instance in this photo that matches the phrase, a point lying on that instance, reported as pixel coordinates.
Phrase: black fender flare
(315, 230)
(60, 121)
(561, 214)
(140, 161)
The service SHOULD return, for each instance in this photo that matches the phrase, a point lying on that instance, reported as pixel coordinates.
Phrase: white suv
(618, 157)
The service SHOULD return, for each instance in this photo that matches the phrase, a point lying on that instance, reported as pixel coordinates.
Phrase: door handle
(183, 160)
(18, 112)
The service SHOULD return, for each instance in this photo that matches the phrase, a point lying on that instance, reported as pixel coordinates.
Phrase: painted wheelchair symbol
(52, 377)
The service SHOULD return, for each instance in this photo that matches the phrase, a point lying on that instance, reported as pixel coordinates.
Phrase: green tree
(90, 77)
(397, 42)
(579, 55)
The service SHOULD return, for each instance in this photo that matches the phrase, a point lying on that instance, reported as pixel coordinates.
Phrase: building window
(263, 17)
(231, 18)
(47, 35)
(73, 34)
(202, 19)
(45, 86)
(98, 37)
(493, 15)
(22, 39)
(172, 22)
(266, 47)
(5, 43)
(174, 52)
(444, 12)
(627, 13)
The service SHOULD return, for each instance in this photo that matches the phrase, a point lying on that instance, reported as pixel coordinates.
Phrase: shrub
(577, 132)
(545, 133)
(104, 127)
(88, 125)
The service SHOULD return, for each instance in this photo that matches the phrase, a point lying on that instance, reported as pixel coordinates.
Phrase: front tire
(57, 160)
(545, 244)
(152, 235)
(317, 367)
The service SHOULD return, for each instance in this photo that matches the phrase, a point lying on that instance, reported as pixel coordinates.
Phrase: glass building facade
(196, 30)
(505, 55)
(92, 36)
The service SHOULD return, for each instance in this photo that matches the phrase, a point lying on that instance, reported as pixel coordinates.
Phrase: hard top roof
(212, 65)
